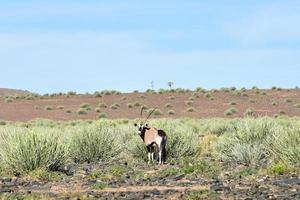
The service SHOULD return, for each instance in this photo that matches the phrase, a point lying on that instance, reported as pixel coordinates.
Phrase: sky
(87, 45)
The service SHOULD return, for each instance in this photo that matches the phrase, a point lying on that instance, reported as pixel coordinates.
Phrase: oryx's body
(153, 138)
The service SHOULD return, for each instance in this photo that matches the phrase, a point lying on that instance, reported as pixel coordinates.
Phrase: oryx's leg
(159, 153)
(152, 152)
(149, 153)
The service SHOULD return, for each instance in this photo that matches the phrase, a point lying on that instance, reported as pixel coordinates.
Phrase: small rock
(260, 180)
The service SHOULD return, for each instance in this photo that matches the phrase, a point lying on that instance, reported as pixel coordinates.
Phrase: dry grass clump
(130, 105)
(137, 104)
(101, 115)
(171, 97)
(48, 108)
(169, 105)
(115, 106)
(191, 109)
(171, 112)
(249, 112)
(231, 111)
(288, 100)
(189, 103)
(97, 109)
(82, 111)
(102, 105)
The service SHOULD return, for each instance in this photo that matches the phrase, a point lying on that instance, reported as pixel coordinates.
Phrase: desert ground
(222, 144)
(201, 103)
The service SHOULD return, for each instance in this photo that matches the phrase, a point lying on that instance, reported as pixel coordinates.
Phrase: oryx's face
(141, 128)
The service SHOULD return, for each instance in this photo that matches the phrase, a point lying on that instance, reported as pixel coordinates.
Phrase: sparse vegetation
(115, 106)
(249, 112)
(137, 104)
(48, 108)
(60, 107)
(191, 109)
(157, 112)
(68, 111)
(189, 103)
(102, 115)
(171, 97)
(102, 105)
(130, 105)
(232, 103)
(81, 111)
(288, 100)
(230, 111)
(97, 109)
(171, 112)
(169, 105)
(109, 152)
(274, 103)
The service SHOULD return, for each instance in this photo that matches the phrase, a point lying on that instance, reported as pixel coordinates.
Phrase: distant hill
(201, 103)
(12, 92)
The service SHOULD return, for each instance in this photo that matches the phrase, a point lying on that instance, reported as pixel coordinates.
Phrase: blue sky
(85, 45)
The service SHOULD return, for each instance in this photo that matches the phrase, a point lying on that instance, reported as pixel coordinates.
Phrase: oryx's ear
(135, 124)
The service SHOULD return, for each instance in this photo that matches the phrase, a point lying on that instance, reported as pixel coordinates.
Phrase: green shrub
(230, 111)
(102, 115)
(97, 94)
(68, 111)
(8, 100)
(115, 106)
(144, 107)
(208, 95)
(248, 171)
(249, 112)
(297, 105)
(191, 98)
(23, 149)
(278, 169)
(137, 104)
(81, 111)
(2, 123)
(191, 109)
(189, 103)
(71, 93)
(85, 105)
(285, 144)
(60, 107)
(171, 97)
(232, 103)
(282, 112)
(169, 105)
(171, 112)
(274, 103)
(130, 105)
(157, 112)
(247, 142)
(48, 108)
(97, 109)
(252, 101)
(102, 105)
(94, 143)
(288, 100)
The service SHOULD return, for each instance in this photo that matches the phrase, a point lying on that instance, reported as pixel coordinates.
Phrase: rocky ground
(142, 181)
